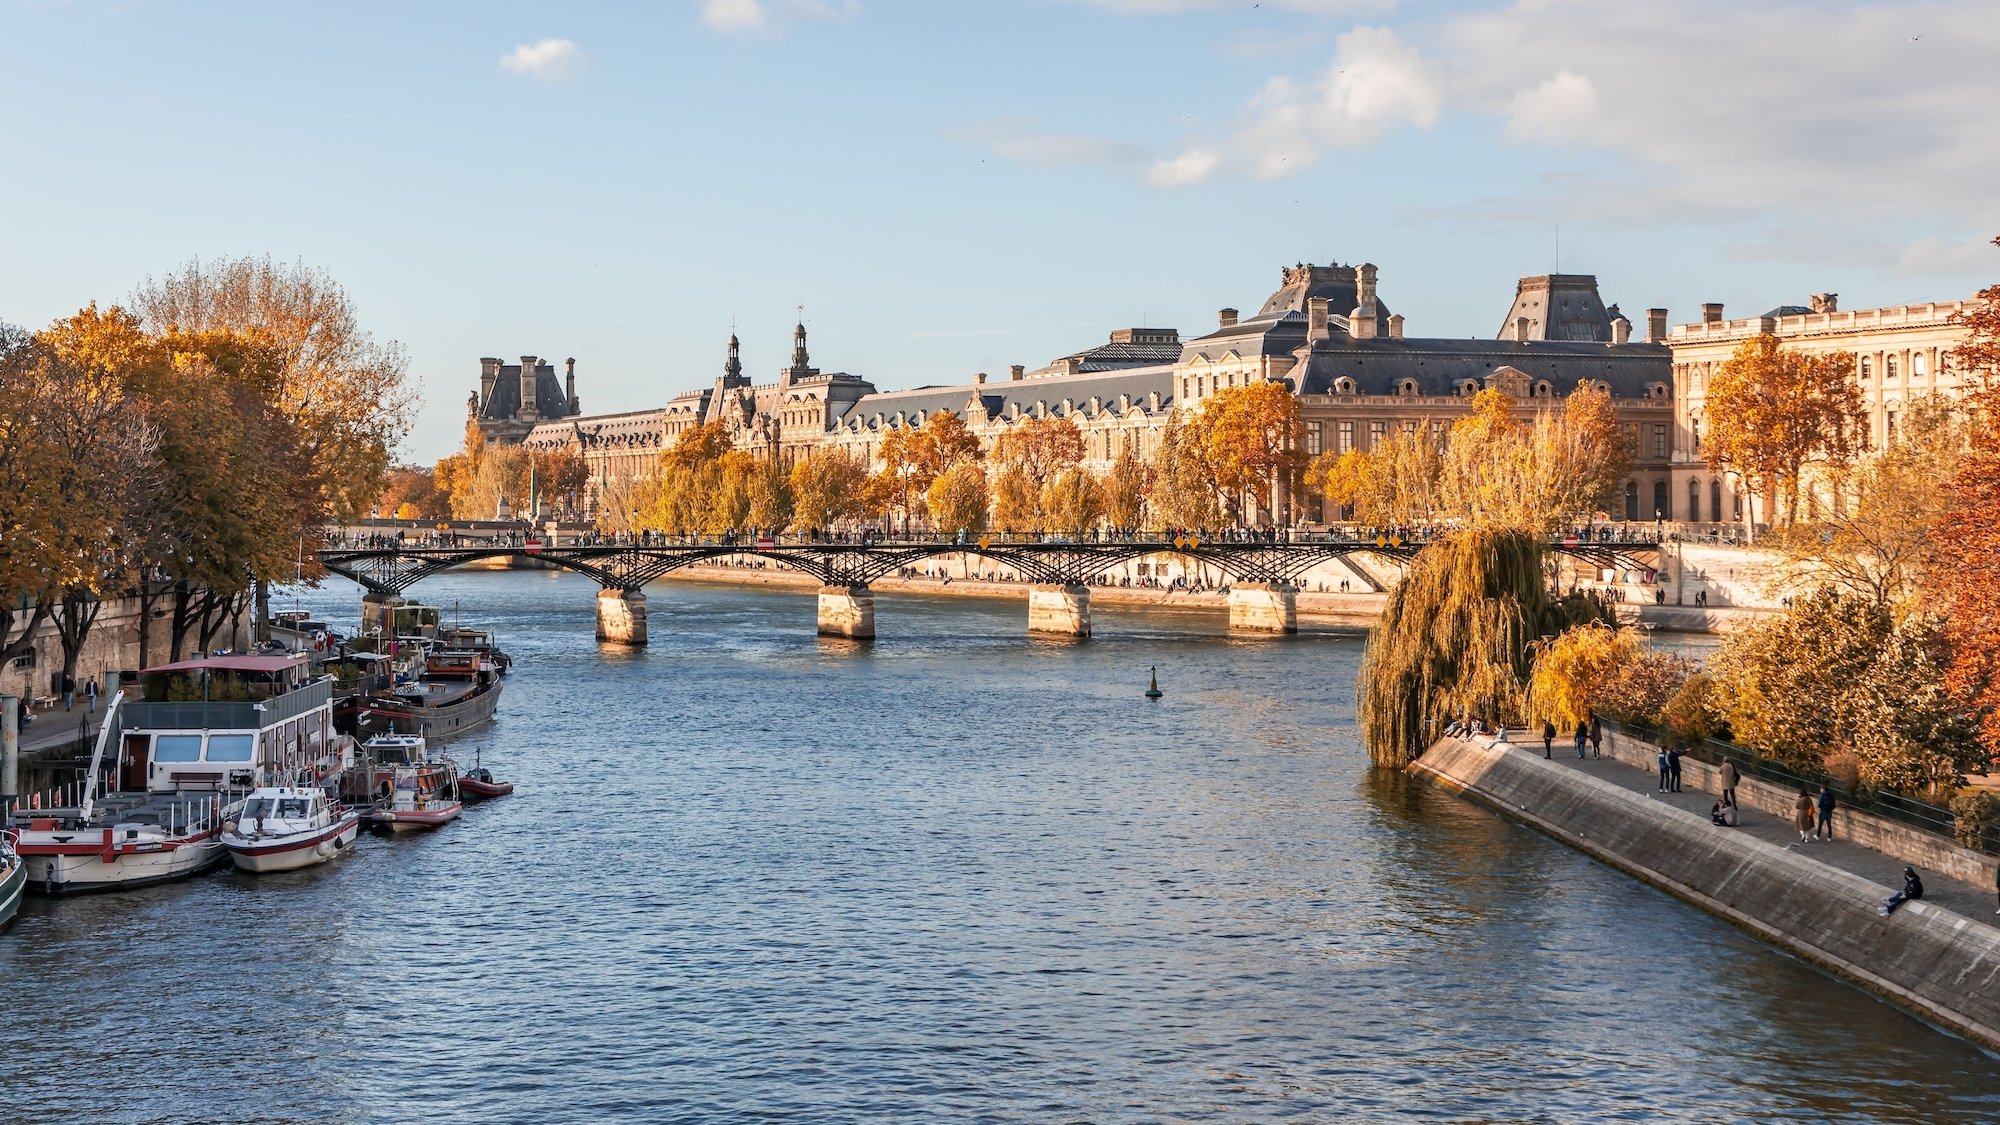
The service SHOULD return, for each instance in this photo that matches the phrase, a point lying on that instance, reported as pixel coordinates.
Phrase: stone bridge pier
(1264, 607)
(1059, 609)
(621, 616)
(847, 611)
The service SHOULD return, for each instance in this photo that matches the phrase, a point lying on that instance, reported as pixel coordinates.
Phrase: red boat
(479, 783)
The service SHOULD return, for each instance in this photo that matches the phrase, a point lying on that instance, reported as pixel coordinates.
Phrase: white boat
(412, 789)
(13, 878)
(284, 828)
(169, 770)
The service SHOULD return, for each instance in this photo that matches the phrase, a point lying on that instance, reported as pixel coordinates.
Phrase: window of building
(1889, 426)
(1407, 388)
(1438, 432)
(1660, 441)
(1345, 441)
(25, 660)
(1867, 368)
(1889, 368)
(1920, 364)
(1660, 501)
(1694, 435)
(1631, 499)
(1715, 500)
(1313, 438)
(1376, 430)
(1694, 501)
(1411, 427)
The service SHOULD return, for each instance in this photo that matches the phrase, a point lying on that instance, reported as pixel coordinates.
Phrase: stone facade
(111, 646)
(513, 398)
(1902, 353)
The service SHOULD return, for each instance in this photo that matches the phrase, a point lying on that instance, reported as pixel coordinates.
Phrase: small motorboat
(478, 783)
(412, 788)
(281, 828)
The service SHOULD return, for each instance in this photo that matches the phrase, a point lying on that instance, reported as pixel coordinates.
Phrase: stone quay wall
(111, 646)
(1940, 965)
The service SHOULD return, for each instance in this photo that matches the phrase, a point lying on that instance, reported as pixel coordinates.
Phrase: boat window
(230, 747)
(256, 808)
(292, 808)
(177, 748)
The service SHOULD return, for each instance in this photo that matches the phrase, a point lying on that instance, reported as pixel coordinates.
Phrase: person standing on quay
(1728, 777)
(68, 691)
(1548, 738)
(1663, 771)
(1582, 737)
(90, 693)
(1802, 815)
(1674, 768)
(1825, 829)
(1596, 736)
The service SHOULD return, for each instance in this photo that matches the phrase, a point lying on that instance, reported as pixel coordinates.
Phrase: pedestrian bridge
(1262, 572)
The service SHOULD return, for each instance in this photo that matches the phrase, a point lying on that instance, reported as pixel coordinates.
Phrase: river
(958, 874)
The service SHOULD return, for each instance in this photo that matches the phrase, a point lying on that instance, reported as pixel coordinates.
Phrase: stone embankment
(1941, 964)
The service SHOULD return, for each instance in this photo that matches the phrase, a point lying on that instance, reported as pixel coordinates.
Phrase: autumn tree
(1884, 536)
(1074, 501)
(1126, 486)
(1775, 414)
(826, 487)
(913, 459)
(1017, 500)
(1966, 578)
(1184, 485)
(1252, 437)
(1041, 447)
(410, 492)
(956, 499)
(346, 396)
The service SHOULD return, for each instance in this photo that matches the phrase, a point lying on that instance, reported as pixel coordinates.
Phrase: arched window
(1343, 386)
(1889, 368)
(1694, 500)
(1542, 390)
(1408, 388)
(1920, 364)
(1715, 500)
(1867, 368)
(1631, 499)
(1660, 510)
(1736, 506)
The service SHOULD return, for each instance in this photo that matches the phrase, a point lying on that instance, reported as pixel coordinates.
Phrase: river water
(959, 874)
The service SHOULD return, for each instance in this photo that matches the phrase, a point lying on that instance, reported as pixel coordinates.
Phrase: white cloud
(734, 16)
(548, 60)
(1375, 83)
(1553, 110)
(1175, 7)
(1190, 167)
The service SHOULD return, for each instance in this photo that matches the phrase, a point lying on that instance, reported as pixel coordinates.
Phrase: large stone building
(1325, 333)
(1901, 354)
(513, 399)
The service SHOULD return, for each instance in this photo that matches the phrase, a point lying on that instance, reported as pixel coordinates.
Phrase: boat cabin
(227, 722)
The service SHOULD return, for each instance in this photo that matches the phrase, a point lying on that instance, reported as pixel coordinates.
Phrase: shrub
(1844, 767)
(1976, 819)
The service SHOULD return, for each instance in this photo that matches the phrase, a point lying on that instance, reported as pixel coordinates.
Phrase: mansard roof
(998, 398)
(1379, 366)
(505, 400)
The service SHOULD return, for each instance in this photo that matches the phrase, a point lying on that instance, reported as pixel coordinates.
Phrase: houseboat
(457, 691)
(176, 755)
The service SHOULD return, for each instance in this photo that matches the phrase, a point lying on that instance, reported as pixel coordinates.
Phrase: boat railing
(233, 715)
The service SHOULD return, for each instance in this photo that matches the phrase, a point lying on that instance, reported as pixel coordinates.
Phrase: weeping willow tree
(1457, 638)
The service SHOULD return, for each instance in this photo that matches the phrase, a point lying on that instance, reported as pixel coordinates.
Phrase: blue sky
(951, 186)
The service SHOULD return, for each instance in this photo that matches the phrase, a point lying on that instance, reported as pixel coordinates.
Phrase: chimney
(1015, 372)
(1521, 329)
(1316, 328)
(979, 378)
(528, 401)
(1621, 331)
(489, 373)
(1364, 285)
(1656, 326)
(1227, 317)
(1711, 313)
(569, 383)
(1825, 302)
(1396, 326)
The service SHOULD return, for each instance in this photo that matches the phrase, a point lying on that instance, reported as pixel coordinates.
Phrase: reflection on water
(957, 874)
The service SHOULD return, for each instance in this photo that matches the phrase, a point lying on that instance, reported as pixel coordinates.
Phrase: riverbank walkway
(1975, 902)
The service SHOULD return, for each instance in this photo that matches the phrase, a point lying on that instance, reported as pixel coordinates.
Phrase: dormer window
(1407, 388)
(1542, 390)
(1468, 387)
(1343, 386)
(1656, 390)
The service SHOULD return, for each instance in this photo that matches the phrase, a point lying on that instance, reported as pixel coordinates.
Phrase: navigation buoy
(1153, 690)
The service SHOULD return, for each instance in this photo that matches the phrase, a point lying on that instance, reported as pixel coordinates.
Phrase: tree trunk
(79, 612)
(184, 597)
(22, 641)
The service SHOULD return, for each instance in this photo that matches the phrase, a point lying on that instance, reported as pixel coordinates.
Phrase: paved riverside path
(1974, 902)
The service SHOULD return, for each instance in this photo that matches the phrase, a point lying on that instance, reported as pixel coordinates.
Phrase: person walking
(90, 692)
(1674, 767)
(1728, 777)
(1824, 831)
(1913, 888)
(1596, 736)
(1582, 737)
(1548, 738)
(1663, 771)
(1802, 815)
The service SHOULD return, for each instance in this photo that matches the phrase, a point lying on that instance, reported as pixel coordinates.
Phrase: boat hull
(480, 790)
(305, 850)
(13, 886)
(412, 820)
(68, 873)
(372, 718)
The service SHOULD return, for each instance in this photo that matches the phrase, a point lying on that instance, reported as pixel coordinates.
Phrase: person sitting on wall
(1913, 888)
